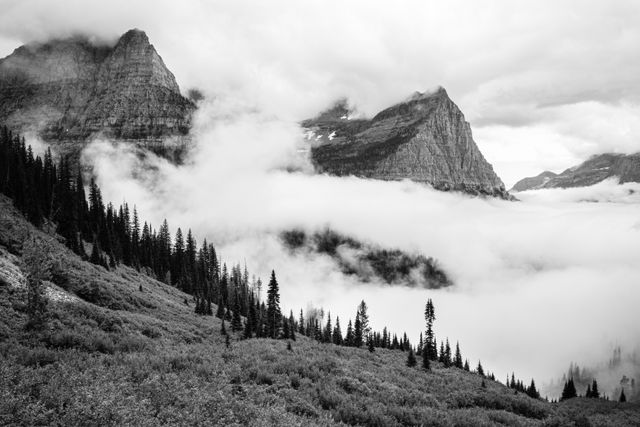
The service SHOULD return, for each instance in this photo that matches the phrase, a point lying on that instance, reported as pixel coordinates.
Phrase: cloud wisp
(528, 275)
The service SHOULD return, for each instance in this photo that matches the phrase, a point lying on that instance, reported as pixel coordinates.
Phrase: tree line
(51, 194)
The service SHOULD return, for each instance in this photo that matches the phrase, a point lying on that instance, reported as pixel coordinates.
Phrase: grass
(121, 356)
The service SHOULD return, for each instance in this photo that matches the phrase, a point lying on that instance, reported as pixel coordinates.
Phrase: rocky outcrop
(425, 139)
(68, 91)
(598, 168)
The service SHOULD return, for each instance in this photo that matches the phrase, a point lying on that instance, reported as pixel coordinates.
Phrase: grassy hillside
(123, 349)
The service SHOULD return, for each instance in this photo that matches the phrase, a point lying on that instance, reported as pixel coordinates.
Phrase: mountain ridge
(68, 91)
(626, 167)
(424, 138)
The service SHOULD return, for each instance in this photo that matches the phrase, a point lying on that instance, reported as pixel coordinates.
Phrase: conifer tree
(532, 391)
(429, 344)
(569, 390)
(623, 398)
(479, 369)
(274, 316)
(349, 337)
(370, 345)
(594, 390)
(301, 323)
(357, 332)
(457, 362)
(466, 365)
(426, 362)
(337, 333)
(292, 327)
(411, 359)
(364, 319)
(326, 334)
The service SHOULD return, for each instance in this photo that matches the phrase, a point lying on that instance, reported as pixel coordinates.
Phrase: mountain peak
(424, 138)
(70, 89)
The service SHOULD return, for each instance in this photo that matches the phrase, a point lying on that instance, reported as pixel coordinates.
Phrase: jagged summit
(70, 90)
(424, 138)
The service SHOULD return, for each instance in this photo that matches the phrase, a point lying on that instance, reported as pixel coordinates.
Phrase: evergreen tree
(426, 362)
(430, 342)
(292, 327)
(411, 359)
(370, 344)
(364, 319)
(479, 369)
(569, 390)
(274, 316)
(466, 365)
(458, 358)
(337, 333)
(349, 337)
(623, 398)
(532, 391)
(357, 332)
(594, 389)
(328, 330)
(301, 323)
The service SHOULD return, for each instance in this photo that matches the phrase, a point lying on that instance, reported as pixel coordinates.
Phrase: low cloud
(550, 272)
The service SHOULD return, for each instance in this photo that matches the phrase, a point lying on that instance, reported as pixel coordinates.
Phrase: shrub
(151, 332)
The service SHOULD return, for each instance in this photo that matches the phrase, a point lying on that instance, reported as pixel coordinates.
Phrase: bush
(151, 332)
(37, 357)
(132, 343)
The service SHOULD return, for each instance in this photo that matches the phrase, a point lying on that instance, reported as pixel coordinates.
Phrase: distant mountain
(70, 90)
(425, 139)
(596, 169)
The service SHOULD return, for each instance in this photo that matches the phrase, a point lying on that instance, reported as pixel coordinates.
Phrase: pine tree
(458, 358)
(479, 369)
(532, 391)
(349, 337)
(466, 365)
(292, 327)
(357, 332)
(594, 390)
(326, 334)
(364, 319)
(370, 345)
(569, 390)
(301, 323)
(411, 359)
(337, 333)
(623, 398)
(274, 316)
(426, 362)
(430, 343)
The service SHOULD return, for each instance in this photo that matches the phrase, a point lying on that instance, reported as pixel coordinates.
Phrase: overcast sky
(544, 84)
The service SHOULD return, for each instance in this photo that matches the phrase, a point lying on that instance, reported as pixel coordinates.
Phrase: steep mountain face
(596, 169)
(424, 139)
(68, 91)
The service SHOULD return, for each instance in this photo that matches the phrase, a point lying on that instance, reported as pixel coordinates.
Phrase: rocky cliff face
(593, 171)
(424, 139)
(71, 90)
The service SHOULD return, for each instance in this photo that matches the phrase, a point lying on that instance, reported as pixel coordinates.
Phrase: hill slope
(121, 348)
(595, 170)
(70, 90)
(424, 139)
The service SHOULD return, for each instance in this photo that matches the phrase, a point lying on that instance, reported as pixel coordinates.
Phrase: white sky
(544, 84)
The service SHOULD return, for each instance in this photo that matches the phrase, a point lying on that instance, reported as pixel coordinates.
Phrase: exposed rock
(425, 139)
(68, 91)
(596, 169)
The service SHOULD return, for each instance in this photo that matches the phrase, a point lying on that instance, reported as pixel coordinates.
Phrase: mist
(543, 87)
(556, 271)
(537, 283)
